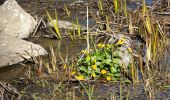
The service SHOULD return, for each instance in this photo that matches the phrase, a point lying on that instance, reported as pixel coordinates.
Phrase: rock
(14, 21)
(8, 92)
(66, 25)
(124, 53)
(15, 24)
(14, 50)
(78, 2)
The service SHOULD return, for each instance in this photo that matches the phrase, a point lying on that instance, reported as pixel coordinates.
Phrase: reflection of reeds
(40, 67)
(55, 24)
(53, 59)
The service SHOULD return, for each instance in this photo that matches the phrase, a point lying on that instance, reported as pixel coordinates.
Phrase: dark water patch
(11, 73)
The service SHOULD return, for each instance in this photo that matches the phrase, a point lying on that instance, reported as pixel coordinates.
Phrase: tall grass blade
(100, 6)
(148, 24)
(131, 30)
(87, 38)
(144, 8)
(55, 24)
(125, 8)
(67, 11)
(88, 90)
(155, 42)
(132, 71)
(78, 26)
(115, 6)
(148, 27)
(71, 36)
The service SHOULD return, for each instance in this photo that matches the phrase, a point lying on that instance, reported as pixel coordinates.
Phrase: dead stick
(38, 25)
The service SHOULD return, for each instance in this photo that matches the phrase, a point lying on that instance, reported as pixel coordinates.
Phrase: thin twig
(38, 25)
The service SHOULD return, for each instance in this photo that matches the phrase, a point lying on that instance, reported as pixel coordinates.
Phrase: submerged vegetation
(124, 48)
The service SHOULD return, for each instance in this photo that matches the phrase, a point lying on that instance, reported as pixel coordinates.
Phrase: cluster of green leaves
(102, 63)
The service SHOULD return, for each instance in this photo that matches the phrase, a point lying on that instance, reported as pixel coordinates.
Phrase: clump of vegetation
(103, 63)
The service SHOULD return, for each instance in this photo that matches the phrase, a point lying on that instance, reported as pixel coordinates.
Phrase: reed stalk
(78, 27)
(144, 8)
(55, 24)
(67, 11)
(115, 2)
(100, 6)
(87, 38)
(125, 8)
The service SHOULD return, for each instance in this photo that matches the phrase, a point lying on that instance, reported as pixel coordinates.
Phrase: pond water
(16, 74)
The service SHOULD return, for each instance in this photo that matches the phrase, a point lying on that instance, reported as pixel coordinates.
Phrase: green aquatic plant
(55, 24)
(76, 30)
(103, 63)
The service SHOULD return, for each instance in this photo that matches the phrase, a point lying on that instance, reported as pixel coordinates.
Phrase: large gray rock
(66, 25)
(124, 52)
(14, 50)
(14, 21)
